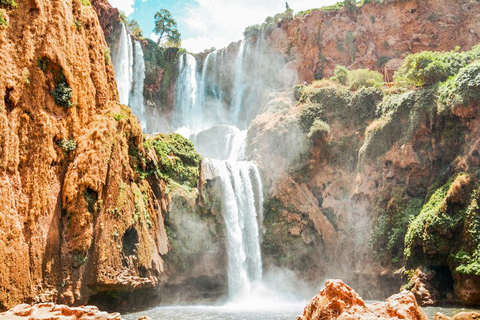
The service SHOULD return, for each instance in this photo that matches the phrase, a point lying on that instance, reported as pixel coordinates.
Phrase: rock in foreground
(339, 301)
(51, 311)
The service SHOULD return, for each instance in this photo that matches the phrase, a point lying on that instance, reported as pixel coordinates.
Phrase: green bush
(85, 2)
(341, 74)
(308, 114)
(463, 89)
(427, 67)
(364, 104)
(178, 160)
(3, 21)
(366, 78)
(62, 94)
(319, 130)
(11, 4)
(67, 145)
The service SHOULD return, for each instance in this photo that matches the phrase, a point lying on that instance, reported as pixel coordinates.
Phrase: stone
(338, 301)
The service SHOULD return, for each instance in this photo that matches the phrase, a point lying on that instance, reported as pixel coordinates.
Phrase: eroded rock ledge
(57, 312)
(339, 301)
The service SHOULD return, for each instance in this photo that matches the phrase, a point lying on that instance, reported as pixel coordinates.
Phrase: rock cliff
(82, 193)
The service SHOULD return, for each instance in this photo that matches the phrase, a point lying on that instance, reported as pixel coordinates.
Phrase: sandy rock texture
(57, 312)
(76, 220)
(339, 301)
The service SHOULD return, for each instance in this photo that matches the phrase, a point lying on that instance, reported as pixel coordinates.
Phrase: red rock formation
(57, 312)
(339, 301)
(369, 36)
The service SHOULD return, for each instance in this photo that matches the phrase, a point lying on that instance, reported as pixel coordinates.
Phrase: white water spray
(136, 100)
(123, 64)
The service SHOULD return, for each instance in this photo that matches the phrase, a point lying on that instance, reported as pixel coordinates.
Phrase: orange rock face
(369, 36)
(339, 301)
(57, 312)
(70, 225)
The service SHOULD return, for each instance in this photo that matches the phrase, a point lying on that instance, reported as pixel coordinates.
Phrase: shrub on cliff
(11, 4)
(178, 161)
(319, 130)
(463, 89)
(427, 67)
(358, 78)
(62, 94)
(364, 78)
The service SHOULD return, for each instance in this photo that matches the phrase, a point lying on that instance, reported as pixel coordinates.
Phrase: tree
(166, 27)
(134, 29)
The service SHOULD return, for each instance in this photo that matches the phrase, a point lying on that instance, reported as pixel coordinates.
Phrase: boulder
(52, 311)
(338, 301)
(458, 316)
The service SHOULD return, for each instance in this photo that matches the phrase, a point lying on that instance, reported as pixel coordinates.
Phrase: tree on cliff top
(166, 28)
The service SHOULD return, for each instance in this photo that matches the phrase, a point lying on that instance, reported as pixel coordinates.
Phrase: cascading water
(187, 111)
(241, 186)
(136, 100)
(129, 65)
(240, 85)
(123, 64)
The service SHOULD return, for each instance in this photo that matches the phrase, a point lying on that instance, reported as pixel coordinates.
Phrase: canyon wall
(83, 194)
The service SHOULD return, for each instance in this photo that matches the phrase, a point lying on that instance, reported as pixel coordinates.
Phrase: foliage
(67, 145)
(178, 161)
(107, 54)
(62, 94)
(77, 24)
(427, 67)
(319, 130)
(468, 258)
(432, 226)
(390, 227)
(134, 29)
(340, 74)
(462, 89)
(3, 21)
(85, 2)
(166, 27)
(256, 30)
(364, 104)
(309, 114)
(11, 4)
(364, 78)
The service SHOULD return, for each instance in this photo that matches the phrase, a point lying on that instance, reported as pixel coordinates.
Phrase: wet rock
(339, 301)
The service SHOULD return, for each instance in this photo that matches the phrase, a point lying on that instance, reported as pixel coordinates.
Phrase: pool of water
(257, 309)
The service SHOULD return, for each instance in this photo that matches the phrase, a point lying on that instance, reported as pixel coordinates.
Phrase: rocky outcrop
(82, 201)
(370, 36)
(339, 301)
(57, 312)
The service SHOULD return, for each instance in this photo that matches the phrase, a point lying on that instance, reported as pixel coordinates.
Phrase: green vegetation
(358, 78)
(77, 24)
(9, 4)
(319, 130)
(62, 94)
(432, 226)
(269, 25)
(427, 67)
(166, 28)
(107, 55)
(67, 145)
(3, 21)
(134, 29)
(86, 2)
(178, 161)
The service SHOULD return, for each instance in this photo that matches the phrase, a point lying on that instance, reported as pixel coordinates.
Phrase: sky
(204, 24)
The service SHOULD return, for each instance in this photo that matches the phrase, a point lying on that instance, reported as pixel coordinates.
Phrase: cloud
(199, 44)
(212, 20)
(123, 5)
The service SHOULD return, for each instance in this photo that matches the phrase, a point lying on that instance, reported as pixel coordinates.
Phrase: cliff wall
(82, 200)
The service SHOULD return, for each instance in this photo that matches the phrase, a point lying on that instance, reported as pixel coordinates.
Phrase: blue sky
(210, 23)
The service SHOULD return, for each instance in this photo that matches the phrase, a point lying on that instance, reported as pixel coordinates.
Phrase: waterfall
(123, 64)
(240, 86)
(239, 182)
(136, 100)
(187, 113)
(129, 66)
